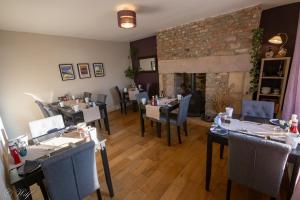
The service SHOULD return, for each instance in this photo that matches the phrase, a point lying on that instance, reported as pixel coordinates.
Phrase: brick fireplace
(217, 46)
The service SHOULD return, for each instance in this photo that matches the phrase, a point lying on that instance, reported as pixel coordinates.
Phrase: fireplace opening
(192, 83)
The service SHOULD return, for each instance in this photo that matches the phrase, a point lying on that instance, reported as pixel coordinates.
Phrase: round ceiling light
(126, 19)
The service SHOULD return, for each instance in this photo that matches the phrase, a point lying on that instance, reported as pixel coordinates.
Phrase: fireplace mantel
(209, 64)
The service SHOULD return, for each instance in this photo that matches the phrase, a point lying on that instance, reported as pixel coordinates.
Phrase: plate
(275, 122)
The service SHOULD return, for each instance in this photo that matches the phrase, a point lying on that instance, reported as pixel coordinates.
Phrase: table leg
(208, 161)
(106, 170)
(294, 178)
(106, 123)
(158, 129)
(169, 128)
(142, 121)
(43, 190)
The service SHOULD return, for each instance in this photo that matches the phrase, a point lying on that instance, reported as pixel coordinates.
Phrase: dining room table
(167, 106)
(77, 116)
(217, 135)
(49, 148)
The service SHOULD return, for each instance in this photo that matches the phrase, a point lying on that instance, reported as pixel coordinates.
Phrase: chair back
(71, 174)
(87, 94)
(91, 114)
(119, 93)
(183, 109)
(43, 126)
(140, 96)
(257, 163)
(42, 108)
(260, 109)
(101, 98)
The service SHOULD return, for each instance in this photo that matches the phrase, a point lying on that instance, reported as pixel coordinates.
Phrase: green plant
(130, 72)
(255, 56)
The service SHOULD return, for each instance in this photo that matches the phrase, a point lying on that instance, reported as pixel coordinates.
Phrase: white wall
(29, 64)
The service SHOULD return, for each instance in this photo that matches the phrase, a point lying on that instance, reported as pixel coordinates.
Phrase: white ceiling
(96, 19)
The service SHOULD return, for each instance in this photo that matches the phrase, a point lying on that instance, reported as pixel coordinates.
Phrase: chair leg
(121, 106)
(229, 182)
(125, 108)
(178, 133)
(151, 123)
(99, 194)
(99, 123)
(221, 151)
(185, 128)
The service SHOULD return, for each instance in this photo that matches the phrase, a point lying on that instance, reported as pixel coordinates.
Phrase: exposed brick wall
(228, 34)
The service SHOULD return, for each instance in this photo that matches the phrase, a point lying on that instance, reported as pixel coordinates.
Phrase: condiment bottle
(294, 124)
(14, 152)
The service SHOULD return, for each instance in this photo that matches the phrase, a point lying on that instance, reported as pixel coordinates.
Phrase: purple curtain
(292, 97)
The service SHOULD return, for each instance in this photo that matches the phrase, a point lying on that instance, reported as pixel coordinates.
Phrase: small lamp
(277, 39)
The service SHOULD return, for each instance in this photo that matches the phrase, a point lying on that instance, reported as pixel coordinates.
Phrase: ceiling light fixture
(126, 19)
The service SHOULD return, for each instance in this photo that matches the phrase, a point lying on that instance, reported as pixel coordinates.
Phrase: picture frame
(83, 70)
(98, 69)
(66, 72)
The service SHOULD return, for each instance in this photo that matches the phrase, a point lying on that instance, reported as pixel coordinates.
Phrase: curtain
(292, 96)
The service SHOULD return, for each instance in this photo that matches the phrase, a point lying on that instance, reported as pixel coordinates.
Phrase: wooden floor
(146, 168)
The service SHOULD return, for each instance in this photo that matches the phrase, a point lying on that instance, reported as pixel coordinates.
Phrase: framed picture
(84, 70)
(98, 69)
(66, 72)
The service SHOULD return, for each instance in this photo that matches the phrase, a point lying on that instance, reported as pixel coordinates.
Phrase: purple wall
(282, 19)
(145, 48)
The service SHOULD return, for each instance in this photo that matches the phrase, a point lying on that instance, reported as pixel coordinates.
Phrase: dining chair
(257, 109)
(87, 94)
(46, 128)
(72, 174)
(91, 115)
(43, 109)
(101, 98)
(180, 119)
(256, 163)
(122, 99)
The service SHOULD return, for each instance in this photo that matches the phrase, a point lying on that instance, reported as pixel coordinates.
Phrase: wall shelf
(269, 70)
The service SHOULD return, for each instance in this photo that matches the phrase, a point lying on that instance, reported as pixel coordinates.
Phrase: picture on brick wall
(84, 70)
(98, 69)
(66, 72)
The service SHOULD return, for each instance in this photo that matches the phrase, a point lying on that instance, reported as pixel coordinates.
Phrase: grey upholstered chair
(42, 108)
(72, 174)
(256, 163)
(101, 98)
(141, 95)
(180, 119)
(258, 109)
(87, 94)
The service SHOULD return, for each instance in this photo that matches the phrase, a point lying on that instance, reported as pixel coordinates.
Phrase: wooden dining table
(45, 150)
(164, 110)
(222, 140)
(76, 117)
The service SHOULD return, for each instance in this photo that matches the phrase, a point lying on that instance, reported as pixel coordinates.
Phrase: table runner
(254, 128)
(153, 112)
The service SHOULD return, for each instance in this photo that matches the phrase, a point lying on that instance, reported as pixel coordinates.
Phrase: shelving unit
(273, 74)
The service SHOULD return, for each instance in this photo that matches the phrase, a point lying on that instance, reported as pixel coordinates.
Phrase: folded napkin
(152, 112)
